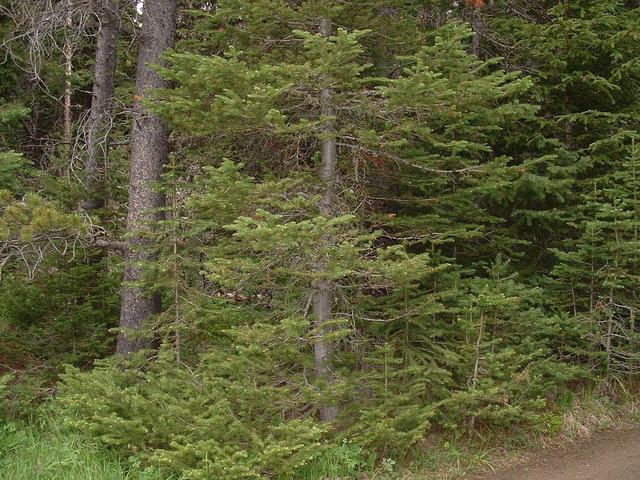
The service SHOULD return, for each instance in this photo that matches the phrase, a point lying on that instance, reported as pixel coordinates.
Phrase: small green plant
(388, 469)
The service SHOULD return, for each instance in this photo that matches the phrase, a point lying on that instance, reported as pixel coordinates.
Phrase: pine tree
(596, 272)
(102, 101)
(149, 150)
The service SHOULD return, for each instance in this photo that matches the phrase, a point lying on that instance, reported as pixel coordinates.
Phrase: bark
(609, 331)
(477, 22)
(101, 103)
(322, 289)
(476, 368)
(68, 69)
(477, 26)
(149, 150)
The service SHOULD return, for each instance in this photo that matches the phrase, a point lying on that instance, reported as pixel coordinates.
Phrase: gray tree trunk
(98, 125)
(322, 289)
(68, 70)
(149, 150)
(477, 25)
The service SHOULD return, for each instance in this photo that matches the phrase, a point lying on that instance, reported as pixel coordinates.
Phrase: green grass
(30, 453)
(342, 461)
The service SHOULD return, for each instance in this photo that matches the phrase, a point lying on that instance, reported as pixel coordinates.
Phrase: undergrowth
(45, 452)
(35, 453)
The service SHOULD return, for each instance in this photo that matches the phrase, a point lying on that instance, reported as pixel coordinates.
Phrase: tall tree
(322, 296)
(149, 150)
(476, 20)
(102, 101)
(68, 70)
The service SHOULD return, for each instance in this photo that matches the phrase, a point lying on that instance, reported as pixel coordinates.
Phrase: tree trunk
(609, 331)
(477, 22)
(98, 125)
(476, 25)
(322, 289)
(149, 150)
(68, 69)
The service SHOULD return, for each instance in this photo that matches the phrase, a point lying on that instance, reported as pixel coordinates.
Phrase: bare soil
(613, 455)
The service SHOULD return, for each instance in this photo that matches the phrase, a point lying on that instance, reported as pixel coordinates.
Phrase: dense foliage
(480, 241)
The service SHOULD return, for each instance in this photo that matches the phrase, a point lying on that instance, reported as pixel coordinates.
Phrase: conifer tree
(596, 275)
(100, 114)
(322, 296)
(149, 150)
(446, 155)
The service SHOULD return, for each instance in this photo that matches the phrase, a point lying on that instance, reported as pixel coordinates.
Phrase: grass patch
(30, 453)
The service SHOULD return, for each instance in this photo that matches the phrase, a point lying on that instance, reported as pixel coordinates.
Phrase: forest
(314, 239)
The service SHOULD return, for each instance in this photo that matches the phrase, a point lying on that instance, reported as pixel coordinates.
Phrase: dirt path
(610, 456)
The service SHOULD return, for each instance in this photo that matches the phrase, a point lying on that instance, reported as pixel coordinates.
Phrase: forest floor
(611, 455)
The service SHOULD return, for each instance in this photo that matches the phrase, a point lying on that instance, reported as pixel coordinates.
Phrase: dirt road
(609, 456)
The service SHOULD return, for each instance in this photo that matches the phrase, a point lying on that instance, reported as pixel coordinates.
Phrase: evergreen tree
(149, 150)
